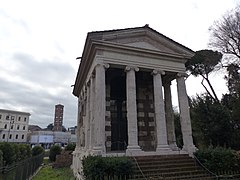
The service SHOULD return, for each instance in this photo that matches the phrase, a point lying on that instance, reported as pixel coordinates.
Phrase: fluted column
(100, 109)
(170, 116)
(161, 128)
(133, 147)
(185, 114)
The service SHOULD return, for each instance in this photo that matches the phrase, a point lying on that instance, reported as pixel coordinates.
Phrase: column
(133, 147)
(185, 114)
(169, 116)
(161, 128)
(100, 109)
(78, 144)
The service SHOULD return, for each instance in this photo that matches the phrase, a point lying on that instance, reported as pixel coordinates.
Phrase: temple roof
(137, 40)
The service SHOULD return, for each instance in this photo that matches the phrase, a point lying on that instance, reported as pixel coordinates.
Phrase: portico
(124, 95)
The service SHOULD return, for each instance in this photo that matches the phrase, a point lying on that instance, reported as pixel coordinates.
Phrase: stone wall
(63, 160)
(145, 112)
(108, 119)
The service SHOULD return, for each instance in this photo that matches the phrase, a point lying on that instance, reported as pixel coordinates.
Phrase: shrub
(36, 150)
(54, 151)
(24, 151)
(97, 167)
(70, 147)
(218, 159)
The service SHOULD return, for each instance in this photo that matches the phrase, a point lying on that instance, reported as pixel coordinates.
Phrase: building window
(12, 117)
(3, 137)
(10, 136)
(23, 127)
(16, 136)
(25, 119)
(23, 136)
(11, 126)
(17, 127)
(19, 118)
(5, 126)
(7, 117)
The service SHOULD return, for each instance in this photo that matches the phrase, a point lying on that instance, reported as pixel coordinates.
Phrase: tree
(225, 34)
(202, 64)
(211, 122)
(232, 102)
(50, 126)
(233, 80)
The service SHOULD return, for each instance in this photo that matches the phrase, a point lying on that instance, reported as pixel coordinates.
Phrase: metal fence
(22, 170)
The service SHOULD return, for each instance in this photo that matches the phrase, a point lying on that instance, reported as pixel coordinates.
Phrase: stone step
(166, 162)
(169, 167)
(176, 178)
(162, 157)
(173, 174)
(166, 165)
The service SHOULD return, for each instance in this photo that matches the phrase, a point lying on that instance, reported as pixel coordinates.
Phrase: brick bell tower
(58, 118)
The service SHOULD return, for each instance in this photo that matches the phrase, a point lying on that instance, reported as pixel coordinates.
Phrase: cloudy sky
(40, 40)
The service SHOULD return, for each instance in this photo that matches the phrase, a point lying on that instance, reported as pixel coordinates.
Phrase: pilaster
(87, 120)
(91, 111)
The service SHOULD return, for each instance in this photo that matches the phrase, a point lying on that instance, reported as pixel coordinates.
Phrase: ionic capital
(182, 74)
(131, 68)
(158, 71)
(105, 65)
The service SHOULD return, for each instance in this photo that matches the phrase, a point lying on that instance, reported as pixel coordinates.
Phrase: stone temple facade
(123, 87)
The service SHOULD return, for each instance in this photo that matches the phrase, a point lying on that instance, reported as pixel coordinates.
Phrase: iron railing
(22, 170)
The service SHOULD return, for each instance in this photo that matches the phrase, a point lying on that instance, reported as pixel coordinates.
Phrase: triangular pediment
(146, 43)
(144, 38)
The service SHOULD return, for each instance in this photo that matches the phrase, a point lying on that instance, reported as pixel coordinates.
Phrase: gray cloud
(49, 84)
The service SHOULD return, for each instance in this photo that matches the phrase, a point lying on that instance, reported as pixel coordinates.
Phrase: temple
(123, 87)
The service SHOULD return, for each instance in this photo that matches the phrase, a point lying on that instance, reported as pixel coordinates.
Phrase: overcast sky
(40, 40)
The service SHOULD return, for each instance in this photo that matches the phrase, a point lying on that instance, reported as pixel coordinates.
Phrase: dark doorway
(119, 136)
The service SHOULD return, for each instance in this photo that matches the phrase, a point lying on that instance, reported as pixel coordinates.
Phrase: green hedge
(12, 152)
(96, 167)
(219, 159)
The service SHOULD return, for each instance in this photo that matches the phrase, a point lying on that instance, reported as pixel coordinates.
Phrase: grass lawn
(49, 173)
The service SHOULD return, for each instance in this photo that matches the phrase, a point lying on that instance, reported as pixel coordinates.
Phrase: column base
(174, 146)
(97, 151)
(163, 149)
(133, 151)
(190, 149)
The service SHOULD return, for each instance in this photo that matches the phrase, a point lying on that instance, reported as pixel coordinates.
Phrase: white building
(123, 87)
(13, 126)
(48, 138)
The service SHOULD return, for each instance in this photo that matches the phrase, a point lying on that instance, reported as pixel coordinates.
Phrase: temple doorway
(119, 137)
